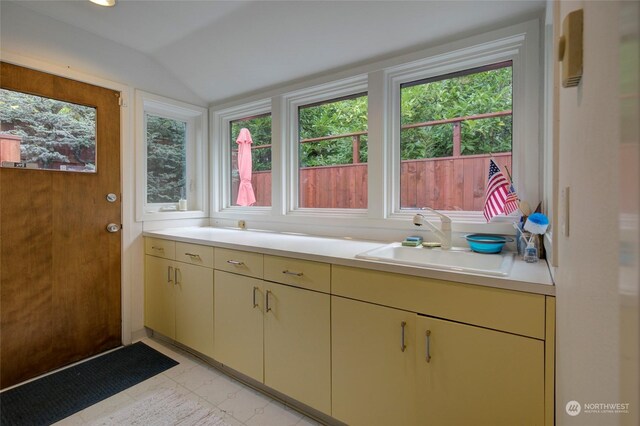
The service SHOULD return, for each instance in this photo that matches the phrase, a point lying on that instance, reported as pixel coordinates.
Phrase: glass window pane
(451, 125)
(46, 133)
(333, 153)
(251, 167)
(166, 159)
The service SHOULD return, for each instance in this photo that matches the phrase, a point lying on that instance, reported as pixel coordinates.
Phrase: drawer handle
(177, 274)
(288, 272)
(255, 303)
(157, 248)
(428, 342)
(193, 256)
(403, 324)
(169, 274)
(235, 262)
(267, 297)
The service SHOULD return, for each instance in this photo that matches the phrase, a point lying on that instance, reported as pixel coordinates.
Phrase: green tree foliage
(166, 159)
(334, 118)
(467, 95)
(51, 130)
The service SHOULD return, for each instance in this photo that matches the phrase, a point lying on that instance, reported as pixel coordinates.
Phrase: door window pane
(255, 159)
(46, 133)
(333, 153)
(451, 126)
(166, 159)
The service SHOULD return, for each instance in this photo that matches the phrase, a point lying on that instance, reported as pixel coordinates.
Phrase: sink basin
(456, 259)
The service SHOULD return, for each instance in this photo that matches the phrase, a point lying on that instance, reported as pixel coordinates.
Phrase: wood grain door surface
(59, 267)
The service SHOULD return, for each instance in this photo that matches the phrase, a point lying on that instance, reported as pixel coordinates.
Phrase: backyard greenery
(166, 159)
(480, 92)
(52, 131)
(463, 96)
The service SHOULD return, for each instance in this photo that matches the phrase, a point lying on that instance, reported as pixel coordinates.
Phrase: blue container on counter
(483, 243)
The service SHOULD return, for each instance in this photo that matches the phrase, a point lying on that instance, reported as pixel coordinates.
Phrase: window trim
(221, 140)
(357, 85)
(196, 145)
(522, 51)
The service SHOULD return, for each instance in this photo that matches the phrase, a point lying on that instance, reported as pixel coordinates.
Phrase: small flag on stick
(497, 192)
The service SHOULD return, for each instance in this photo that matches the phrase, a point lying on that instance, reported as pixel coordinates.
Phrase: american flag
(497, 192)
(511, 205)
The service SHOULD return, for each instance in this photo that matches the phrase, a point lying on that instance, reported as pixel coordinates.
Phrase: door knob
(112, 227)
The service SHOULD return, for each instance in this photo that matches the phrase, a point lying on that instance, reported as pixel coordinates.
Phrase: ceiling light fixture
(104, 2)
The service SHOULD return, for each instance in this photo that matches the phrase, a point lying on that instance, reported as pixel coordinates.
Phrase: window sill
(169, 215)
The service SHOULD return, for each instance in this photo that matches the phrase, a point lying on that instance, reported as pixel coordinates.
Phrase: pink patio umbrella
(246, 197)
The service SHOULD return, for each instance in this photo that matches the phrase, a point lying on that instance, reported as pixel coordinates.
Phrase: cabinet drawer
(505, 310)
(299, 273)
(239, 262)
(160, 248)
(195, 254)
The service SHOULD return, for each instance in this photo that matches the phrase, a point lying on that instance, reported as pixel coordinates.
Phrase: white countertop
(527, 277)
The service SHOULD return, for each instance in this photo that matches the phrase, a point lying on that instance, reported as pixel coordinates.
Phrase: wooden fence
(447, 183)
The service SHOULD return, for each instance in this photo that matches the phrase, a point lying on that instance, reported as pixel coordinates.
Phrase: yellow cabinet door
(297, 344)
(159, 302)
(194, 307)
(373, 364)
(238, 319)
(469, 375)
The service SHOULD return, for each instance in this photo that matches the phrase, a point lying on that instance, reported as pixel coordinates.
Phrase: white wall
(588, 326)
(30, 34)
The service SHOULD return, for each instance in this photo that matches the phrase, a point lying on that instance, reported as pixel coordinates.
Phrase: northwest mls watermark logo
(573, 408)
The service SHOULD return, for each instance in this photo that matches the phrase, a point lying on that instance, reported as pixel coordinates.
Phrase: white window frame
(222, 160)
(520, 47)
(196, 145)
(292, 101)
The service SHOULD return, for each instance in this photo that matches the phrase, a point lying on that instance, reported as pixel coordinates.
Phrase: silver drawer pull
(193, 256)
(157, 248)
(288, 272)
(267, 300)
(178, 275)
(235, 262)
(403, 346)
(255, 302)
(428, 350)
(169, 274)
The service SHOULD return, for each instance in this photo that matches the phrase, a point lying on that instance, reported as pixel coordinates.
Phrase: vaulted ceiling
(226, 49)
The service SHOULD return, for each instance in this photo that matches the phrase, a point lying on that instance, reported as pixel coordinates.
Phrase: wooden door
(238, 324)
(477, 376)
(297, 344)
(159, 296)
(59, 267)
(372, 374)
(194, 307)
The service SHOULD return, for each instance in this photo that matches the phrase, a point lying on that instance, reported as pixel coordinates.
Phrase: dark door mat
(56, 396)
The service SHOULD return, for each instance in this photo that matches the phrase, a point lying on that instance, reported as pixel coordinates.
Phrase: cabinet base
(250, 382)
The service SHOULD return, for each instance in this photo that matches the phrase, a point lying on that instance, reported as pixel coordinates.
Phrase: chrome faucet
(444, 233)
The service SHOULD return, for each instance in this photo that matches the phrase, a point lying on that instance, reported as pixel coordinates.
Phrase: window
(363, 148)
(333, 153)
(258, 130)
(171, 149)
(46, 133)
(451, 112)
(450, 126)
(166, 159)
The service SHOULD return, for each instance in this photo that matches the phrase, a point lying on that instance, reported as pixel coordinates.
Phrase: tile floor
(236, 403)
